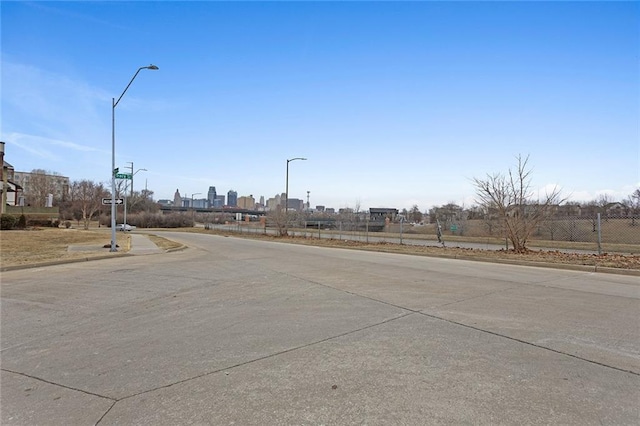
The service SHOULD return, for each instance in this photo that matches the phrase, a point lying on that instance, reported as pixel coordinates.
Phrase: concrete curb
(63, 262)
(565, 266)
(82, 259)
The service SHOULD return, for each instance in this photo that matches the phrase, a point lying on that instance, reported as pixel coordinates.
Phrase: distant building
(273, 203)
(11, 191)
(380, 214)
(200, 203)
(319, 208)
(219, 201)
(232, 198)
(248, 203)
(166, 203)
(31, 184)
(177, 199)
(211, 196)
(295, 204)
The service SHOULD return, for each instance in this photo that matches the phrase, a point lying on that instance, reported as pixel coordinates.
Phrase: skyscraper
(211, 196)
(232, 198)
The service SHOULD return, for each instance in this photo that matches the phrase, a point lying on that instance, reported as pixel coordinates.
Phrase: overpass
(229, 210)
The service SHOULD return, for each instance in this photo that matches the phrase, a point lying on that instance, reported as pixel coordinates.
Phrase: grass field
(37, 245)
(612, 231)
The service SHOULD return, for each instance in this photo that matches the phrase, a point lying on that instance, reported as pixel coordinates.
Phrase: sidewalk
(141, 244)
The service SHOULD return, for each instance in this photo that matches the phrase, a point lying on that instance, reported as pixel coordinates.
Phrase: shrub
(22, 222)
(154, 220)
(40, 222)
(8, 221)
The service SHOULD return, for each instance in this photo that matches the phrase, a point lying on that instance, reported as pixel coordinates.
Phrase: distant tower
(211, 196)
(308, 205)
(177, 199)
(232, 198)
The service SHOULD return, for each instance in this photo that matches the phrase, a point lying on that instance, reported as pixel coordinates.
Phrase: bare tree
(141, 201)
(40, 185)
(633, 205)
(278, 218)
(415, 215)
(513, 198)
(87, 196)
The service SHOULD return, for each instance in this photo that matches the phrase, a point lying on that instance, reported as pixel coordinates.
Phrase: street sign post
(123, 176)
(109, 201)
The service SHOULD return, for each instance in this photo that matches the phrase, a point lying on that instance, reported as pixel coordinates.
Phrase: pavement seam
(57, 384)
(480, 329)
(275, 354)
(515, 339)
(480, 296)
(113, 404)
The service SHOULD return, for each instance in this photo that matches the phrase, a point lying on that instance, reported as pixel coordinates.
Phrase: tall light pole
(286, 193)
(114, 104)
(130, 190)
(193, 208)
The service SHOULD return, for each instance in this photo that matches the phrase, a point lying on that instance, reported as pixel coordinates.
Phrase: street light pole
(114, 103)
(130, 190)
(132, 175)
(193, 216)
(286, 193)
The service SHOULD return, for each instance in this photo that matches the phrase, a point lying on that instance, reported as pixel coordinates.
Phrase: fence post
(367, 230)
(599, 236)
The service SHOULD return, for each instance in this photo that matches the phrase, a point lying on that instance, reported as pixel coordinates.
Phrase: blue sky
(393, 104)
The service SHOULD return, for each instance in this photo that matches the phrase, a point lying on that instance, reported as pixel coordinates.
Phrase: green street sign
(123, 175)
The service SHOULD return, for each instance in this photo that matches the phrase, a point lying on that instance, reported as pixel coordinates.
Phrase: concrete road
(234, 331)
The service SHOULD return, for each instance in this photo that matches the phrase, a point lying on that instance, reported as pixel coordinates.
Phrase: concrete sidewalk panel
(161, 340)
(414, 370)
(27, 401)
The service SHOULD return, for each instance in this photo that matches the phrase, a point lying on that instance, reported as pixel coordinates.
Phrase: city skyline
(393, 104)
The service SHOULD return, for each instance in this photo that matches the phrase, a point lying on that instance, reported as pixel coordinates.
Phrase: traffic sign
(123, 175)
(107, 201)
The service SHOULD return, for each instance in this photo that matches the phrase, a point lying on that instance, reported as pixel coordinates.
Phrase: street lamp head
(152, 67)
(297, 158)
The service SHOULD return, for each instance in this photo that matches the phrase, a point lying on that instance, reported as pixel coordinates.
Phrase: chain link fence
(615, 234)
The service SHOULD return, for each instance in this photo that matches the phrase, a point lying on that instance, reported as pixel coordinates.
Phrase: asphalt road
(235, 331)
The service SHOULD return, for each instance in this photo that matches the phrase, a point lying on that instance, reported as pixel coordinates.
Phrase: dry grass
(163, 243)
(38, 245)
